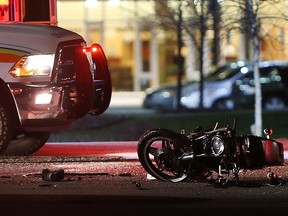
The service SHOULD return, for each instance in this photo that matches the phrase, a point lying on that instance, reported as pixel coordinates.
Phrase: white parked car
(228, 87)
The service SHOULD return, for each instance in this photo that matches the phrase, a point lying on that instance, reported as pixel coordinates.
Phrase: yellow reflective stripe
(8, 55)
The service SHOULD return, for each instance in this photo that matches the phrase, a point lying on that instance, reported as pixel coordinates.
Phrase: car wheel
(274, 103)
(224, 104)
(5, 128)
(26, 143)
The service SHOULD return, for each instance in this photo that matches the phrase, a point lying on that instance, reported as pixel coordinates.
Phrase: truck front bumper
(47, 107)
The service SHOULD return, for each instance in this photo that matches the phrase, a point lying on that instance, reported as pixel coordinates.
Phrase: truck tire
(5, 128)
(27, 143)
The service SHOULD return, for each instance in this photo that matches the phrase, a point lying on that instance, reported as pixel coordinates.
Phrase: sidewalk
(124, 99)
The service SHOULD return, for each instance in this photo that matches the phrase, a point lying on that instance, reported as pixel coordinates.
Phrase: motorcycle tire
(159, 157)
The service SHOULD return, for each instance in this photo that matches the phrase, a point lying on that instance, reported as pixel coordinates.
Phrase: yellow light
(91, 3)
(114, 3)
(35, 65)
(4, 2)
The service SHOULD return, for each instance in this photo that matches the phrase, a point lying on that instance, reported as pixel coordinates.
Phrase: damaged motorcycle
(176, 157)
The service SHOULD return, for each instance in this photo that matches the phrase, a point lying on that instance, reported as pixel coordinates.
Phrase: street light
(114, 3)
(91, 3)
(95, 3)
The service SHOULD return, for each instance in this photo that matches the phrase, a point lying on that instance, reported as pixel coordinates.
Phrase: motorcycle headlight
(34, 65)
(217, 145)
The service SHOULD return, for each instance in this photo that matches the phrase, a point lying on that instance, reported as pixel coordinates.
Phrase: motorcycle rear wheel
(158, 156)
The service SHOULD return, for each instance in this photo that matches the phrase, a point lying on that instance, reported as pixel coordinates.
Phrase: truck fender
(84, 85)
(103, 84)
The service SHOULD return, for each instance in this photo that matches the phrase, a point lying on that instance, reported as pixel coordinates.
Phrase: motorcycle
(176, 157)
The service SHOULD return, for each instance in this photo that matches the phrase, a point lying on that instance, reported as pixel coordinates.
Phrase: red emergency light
(4, 10)
(90, 49)
(31, 11)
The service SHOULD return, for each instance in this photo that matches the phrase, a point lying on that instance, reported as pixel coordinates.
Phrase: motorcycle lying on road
(176, 157)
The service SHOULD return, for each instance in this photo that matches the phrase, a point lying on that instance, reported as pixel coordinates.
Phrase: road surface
(125, 149)
(98, 181)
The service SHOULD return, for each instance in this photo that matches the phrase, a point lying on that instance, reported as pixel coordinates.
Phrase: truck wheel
(5, 128)
(26, 144)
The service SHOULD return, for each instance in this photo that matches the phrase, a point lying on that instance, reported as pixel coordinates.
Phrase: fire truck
(49, 77)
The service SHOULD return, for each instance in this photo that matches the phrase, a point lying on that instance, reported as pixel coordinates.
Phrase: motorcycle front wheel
(160, 158)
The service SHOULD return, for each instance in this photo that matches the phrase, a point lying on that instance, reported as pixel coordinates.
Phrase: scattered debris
(47, 185)
(138, 184)
(150, 177)
(56, 175)
(125, 174)
(274, 179)
(5, 177)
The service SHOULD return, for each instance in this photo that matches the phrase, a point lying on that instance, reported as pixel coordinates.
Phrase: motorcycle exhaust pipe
(192, 157)
(187, 157)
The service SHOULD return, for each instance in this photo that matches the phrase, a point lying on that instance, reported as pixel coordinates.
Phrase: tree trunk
(180, 63)
(254, 25)
(258, 93)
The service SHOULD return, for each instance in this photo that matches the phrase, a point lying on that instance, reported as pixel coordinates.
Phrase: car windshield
(226, 71)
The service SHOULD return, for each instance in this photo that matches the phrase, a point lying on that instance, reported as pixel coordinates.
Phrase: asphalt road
(101, 187)
(113, 182)
(110, 185)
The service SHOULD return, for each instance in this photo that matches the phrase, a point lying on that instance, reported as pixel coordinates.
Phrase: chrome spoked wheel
(159, 157)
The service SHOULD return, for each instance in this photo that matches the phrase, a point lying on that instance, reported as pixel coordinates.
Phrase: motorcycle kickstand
(235, 172)
(221, 179)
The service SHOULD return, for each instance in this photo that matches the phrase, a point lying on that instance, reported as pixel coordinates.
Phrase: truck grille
(66, 69)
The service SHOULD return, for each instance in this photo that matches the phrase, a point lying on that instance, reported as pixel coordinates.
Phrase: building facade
(142, 52)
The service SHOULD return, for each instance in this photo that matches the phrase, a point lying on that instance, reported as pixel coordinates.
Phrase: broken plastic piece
(150, 177)
(274, 179)
(56, 175)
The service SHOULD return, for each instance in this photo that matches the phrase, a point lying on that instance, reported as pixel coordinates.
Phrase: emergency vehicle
(49, 77)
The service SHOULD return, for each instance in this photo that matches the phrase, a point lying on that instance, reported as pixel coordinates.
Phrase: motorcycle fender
(258, 152)
(273, 152)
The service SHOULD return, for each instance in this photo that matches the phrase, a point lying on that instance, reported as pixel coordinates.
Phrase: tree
(254, 24)
(200, 16)
(257, 13)
(205, 15)
(172, 18)
(194, 19)
(180, 62)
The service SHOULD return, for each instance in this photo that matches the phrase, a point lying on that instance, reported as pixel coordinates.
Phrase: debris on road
(56, 175)
(274, 179)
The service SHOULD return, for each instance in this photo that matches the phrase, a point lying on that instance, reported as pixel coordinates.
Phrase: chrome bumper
(45, 107)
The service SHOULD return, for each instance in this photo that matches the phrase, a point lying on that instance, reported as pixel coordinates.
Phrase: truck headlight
(34, 65)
